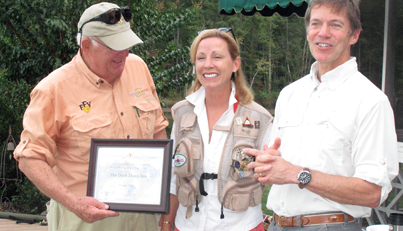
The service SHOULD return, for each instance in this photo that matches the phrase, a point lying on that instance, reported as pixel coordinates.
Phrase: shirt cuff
(376, 174)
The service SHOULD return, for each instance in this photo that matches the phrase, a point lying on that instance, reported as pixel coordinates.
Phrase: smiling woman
(214, 68)
(205, 133)
(243, 93)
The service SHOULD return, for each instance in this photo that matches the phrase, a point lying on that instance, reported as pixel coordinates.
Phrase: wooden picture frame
(131, 174)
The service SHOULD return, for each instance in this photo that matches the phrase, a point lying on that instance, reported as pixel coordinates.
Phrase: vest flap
(188, 120)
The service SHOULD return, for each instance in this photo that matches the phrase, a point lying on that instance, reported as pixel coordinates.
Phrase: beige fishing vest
(237, 190)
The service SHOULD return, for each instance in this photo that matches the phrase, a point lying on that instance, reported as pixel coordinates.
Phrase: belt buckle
(282, 221)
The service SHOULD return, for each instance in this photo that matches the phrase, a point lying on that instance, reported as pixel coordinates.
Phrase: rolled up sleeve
(40, 130)
(375, 149)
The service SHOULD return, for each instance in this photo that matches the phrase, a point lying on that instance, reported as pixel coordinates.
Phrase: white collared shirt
(342, 126)
(208, 218)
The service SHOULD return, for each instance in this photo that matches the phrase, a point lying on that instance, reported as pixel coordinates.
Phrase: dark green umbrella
(264, 7)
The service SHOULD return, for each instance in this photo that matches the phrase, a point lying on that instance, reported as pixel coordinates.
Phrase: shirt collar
(335, 77)
(93, 78)
(197, 98)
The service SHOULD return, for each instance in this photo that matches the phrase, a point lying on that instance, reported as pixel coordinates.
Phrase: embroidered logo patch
(180, 160)
(138, 92)
(85, 106)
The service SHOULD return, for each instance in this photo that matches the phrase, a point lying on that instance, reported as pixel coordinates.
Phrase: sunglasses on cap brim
(224, 29)
(111, 16)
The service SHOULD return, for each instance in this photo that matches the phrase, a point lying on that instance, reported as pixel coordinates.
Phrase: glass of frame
(131, 174)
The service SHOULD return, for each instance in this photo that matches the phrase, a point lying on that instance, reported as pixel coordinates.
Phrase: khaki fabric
(61, 219)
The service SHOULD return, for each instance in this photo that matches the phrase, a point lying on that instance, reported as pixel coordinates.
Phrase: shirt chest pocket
(289, 126)
(330, 129)
(90, 127)
(147, 114)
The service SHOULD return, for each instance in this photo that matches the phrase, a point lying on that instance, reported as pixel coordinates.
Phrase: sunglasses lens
(224, 29)
(127, 14)
(113, 16)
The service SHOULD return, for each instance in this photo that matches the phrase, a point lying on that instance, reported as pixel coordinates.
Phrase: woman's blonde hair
(243, 93)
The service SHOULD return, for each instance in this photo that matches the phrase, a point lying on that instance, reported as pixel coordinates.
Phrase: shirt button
(24, 141)
(121, 113)
(102, 81)
(128, 137)
(282, 204)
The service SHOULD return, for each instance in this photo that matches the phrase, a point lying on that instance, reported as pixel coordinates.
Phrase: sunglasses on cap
(111, 16)
(224, 29)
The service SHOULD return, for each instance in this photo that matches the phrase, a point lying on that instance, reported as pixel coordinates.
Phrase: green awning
(264, 7)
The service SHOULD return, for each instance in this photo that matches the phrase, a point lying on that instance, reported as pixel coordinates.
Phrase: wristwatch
(304, 177)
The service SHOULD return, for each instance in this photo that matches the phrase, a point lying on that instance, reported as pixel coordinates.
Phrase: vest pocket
(240, 161)
(257, 195)
(186, 157)
(186, 191)
(239, 197)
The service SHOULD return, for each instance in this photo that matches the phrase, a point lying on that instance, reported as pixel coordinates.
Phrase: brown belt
(283, 221)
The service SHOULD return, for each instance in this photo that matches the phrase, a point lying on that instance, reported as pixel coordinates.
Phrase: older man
(103, 92)
(334, 148)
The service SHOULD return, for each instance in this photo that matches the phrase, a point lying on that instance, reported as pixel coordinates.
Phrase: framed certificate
(131, 175)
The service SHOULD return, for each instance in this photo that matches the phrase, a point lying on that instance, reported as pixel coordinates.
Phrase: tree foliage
(39, 36)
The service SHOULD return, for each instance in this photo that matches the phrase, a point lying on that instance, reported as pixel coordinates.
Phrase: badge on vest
(241, 174)
(247, 123)
(240, 162)
(257, 124)
(180, 160)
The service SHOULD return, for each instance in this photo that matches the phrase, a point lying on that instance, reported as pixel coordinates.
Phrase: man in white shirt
(334, 150)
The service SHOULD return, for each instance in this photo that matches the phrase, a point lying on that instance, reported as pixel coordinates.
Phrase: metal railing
(394, 203)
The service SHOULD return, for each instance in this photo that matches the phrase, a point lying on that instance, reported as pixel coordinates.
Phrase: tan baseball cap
(118, 36)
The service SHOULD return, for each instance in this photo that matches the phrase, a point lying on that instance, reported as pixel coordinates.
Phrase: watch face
(304, 177)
